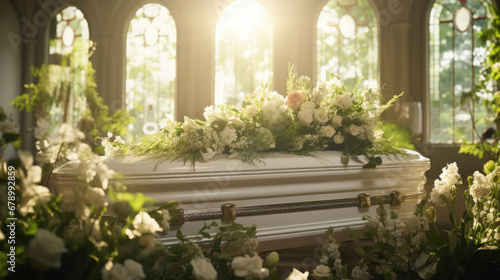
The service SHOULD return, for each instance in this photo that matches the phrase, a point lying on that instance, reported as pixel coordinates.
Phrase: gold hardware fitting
(396, 198)
(364, 200)
(228, 212)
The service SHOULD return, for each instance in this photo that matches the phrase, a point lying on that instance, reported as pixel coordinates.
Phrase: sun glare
(243, 51)
(244, 18)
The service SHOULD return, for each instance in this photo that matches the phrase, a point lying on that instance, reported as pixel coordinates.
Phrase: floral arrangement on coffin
(307, 119)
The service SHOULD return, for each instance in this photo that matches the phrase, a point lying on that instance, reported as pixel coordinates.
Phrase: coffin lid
(147, 166)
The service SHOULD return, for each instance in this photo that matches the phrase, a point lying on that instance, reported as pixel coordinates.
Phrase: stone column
(195, 59)
(294, 37)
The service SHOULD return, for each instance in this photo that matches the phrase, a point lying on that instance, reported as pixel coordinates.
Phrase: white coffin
(290, 198)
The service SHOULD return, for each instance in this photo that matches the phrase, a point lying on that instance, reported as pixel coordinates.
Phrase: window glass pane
(68, 58)
(463, 83)
(151, 68)
(347, 43)
(456, 55)
(243, 51)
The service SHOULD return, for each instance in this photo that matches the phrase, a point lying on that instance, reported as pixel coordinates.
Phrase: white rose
(275, 96)
(481, 186)
(308, 106)
(321, 271)
(337, 121)
(306, 117)
(344, 101)
(272, 110)
(189, 124)
(213, 113)
(203, 269)
(339, 139)
(144, 224)
(354, 130)
(208, 155)
(297, 275)
(130, 270)
(134, 269)
(247, 266)
(251, 111)
(45, 249)
(327, 131)
(321, 115)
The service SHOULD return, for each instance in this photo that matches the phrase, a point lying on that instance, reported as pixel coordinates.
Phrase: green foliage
(399, 137)
(99, 111)
(290, 82)
(49, 96)
(36, 92)
(486, 94)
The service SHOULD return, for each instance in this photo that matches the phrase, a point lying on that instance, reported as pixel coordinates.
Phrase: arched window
(347, 42)
(151, 67)
(69, 30)
(456, 55)
(68, 59)
(243, 51)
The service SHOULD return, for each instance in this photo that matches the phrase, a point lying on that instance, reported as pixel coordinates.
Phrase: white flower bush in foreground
(203, 269)
(249, 266)
(45, 249)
